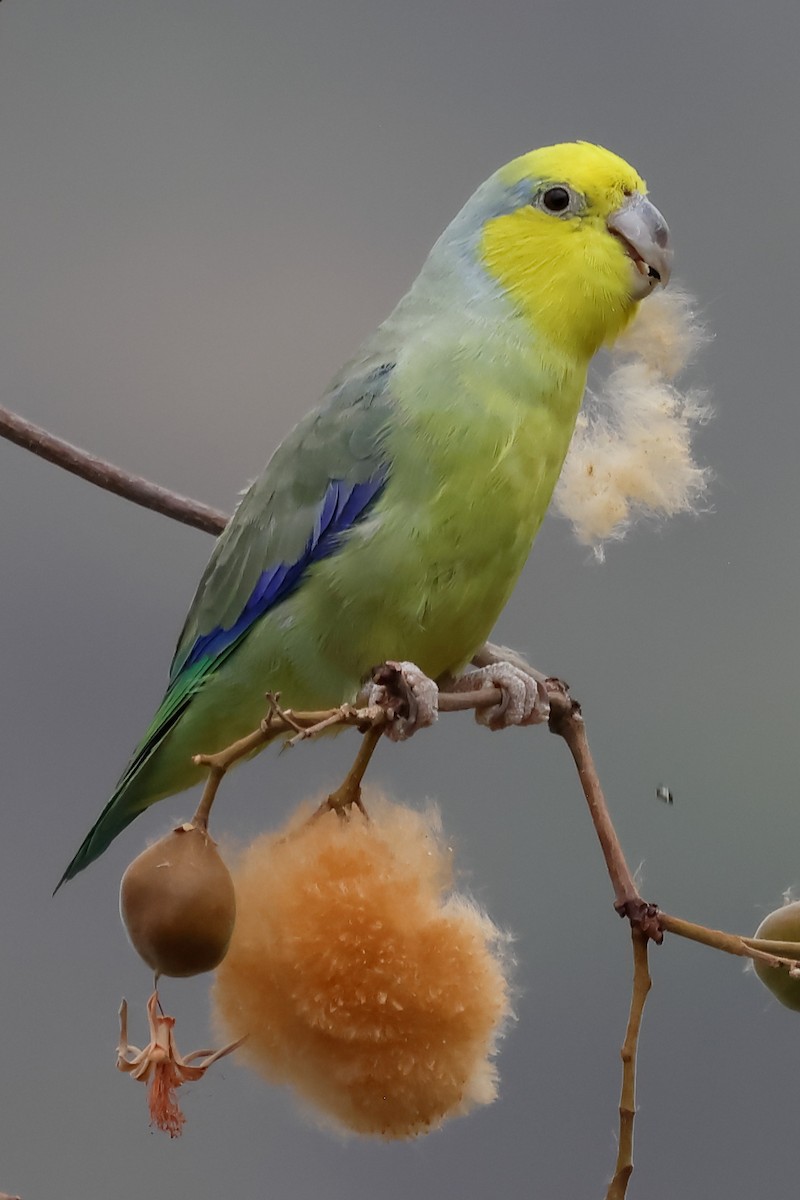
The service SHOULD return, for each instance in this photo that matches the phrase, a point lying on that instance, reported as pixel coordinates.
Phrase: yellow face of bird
(582, 246)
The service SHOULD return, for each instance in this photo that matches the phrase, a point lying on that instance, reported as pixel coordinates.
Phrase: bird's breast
(474, 460)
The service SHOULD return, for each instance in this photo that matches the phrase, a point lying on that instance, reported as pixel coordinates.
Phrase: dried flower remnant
(359, 977)
(161, 1067)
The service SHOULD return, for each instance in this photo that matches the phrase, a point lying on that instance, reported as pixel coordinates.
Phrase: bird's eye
(555, 200)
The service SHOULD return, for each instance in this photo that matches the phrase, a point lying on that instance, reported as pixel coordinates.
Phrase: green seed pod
(177, 903)
(783, 925)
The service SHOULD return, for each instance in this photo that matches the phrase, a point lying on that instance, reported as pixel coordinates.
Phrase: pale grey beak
(645, 235)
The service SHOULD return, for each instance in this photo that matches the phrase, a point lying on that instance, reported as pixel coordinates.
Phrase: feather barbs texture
(359, 978)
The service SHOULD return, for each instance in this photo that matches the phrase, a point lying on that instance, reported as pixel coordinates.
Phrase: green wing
(277, 522)
(320, 480)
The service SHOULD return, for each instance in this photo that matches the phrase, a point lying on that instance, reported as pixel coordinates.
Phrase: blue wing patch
(342, 506)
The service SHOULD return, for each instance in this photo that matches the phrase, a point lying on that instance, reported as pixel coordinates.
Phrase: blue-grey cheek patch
(459, 245)
(493, 199)
(343, 505)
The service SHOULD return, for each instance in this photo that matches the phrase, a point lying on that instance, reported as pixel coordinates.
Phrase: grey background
(203, 208)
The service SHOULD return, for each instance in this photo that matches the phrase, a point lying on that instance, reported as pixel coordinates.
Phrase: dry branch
(105, 475)
(627, 1103)
(566, 721)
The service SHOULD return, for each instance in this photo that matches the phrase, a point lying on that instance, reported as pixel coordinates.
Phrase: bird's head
(573, 241)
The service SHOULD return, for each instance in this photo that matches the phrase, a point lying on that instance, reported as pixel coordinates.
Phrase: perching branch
(105, 475)
(276, 722)
(647, 923)
(567, 721)
(304, 725)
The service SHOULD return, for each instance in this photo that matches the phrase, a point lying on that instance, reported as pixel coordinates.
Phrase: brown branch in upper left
(105, 475)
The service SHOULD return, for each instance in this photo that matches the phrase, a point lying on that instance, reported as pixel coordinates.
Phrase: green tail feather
(131, 795)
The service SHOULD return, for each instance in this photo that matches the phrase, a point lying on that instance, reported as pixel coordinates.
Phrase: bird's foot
(523, 701)
(409, 698)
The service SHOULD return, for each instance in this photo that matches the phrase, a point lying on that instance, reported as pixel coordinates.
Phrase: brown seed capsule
(177, 903)
(783, 925)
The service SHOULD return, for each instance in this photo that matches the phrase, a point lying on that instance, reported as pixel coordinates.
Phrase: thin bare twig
(304, 725)
(776, 954)
(276, 722)
(567, 722)
(349, 791)
(627, 1102)
(105, 475)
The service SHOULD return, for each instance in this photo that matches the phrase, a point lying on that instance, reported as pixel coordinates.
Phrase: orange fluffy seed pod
(356, 977)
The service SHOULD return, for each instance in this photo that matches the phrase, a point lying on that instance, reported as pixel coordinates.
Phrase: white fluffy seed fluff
(631, 455)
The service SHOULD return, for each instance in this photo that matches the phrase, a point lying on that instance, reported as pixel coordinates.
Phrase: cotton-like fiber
(358, 977)
(631, 455)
